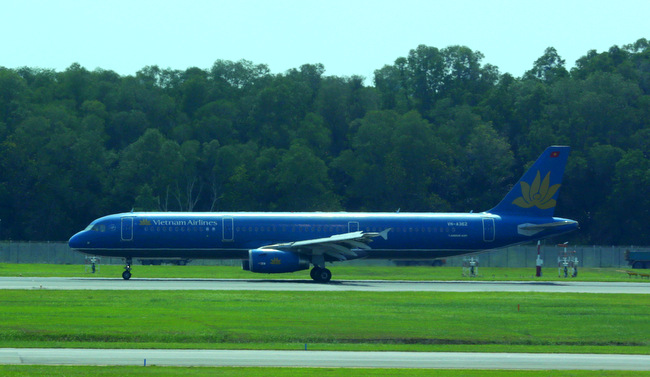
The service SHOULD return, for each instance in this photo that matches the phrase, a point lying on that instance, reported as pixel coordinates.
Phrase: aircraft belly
(170, 253)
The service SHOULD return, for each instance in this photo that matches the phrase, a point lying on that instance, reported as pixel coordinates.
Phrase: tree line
(438, 131)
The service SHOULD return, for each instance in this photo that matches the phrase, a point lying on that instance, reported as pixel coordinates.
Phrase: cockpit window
(96, 227)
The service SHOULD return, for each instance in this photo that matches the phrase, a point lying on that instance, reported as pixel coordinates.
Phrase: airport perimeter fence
(517, 256)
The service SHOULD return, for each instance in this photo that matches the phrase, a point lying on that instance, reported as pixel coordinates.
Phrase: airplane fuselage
(232, 235)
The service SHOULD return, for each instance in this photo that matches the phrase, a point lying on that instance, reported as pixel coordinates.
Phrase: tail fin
(536, 192)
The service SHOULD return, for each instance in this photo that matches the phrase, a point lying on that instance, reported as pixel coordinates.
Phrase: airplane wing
(339, 246)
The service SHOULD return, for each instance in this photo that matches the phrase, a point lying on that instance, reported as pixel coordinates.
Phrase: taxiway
(308, 285)
(332, 359)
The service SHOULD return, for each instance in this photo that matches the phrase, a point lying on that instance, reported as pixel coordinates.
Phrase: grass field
(423, 321)
(404, 321)
(339, 271)
(83, 371)
(76, 371)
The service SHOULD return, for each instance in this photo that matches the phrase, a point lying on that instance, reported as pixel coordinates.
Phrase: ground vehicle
(638, 259)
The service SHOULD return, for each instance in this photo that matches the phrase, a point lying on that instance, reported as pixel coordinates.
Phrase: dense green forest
(438, 131)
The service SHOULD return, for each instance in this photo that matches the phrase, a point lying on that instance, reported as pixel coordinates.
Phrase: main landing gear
(126, 275)
(320, 274)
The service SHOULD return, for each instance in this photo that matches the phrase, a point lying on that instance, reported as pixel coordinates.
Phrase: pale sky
(349, 37)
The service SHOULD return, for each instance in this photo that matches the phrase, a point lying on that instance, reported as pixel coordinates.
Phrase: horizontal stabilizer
(532, 229)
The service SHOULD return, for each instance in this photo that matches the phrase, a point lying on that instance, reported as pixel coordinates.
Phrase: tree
(12, 92)
(195, 91)
(232, 178)
(126, 127)
(625, 219)
(394, 162)
(302, 183)
(487, 168)
(189, 184)
(548, 67)
(465, 81)
(426, 71)
(314, 132)
(389, 83)
(241, 75)
(76, 83)
(56, 178)
(151, 160)
(309, 74)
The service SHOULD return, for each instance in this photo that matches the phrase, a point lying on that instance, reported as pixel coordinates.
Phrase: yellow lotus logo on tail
(539, 194)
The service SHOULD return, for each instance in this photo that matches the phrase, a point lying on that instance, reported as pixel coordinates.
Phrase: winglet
(536, 192)
(384, 233)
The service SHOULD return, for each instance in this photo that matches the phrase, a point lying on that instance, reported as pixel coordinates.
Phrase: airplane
(276, 242)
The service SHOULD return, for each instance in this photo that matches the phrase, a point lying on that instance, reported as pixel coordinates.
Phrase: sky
(349, 37)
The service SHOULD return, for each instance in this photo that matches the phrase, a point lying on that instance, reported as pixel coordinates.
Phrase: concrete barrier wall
(518, 256)
(43, 252)
(38, 252)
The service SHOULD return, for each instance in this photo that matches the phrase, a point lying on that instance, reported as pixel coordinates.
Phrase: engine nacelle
(269, 261)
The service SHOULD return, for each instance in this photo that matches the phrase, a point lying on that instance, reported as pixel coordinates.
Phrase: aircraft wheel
(322, 275)
(314, 273)
(126, 275)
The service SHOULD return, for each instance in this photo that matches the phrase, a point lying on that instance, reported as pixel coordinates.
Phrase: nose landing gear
(126, 275)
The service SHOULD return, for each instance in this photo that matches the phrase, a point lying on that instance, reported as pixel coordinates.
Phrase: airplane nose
(77, 241)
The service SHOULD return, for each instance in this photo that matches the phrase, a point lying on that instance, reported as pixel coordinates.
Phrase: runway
(318, 359)
(308, 285)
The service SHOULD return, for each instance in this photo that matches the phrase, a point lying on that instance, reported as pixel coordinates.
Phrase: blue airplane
(289, 242)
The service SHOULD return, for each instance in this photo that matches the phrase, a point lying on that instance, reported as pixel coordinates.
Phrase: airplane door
(353, 226)
(127, 228)
(228, 229)
(488, 229)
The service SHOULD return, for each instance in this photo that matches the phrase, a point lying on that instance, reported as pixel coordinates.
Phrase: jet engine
(270, 261)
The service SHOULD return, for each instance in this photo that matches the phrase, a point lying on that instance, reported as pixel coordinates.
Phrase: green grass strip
(340, 271)
(109, 371)
(485, 321)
